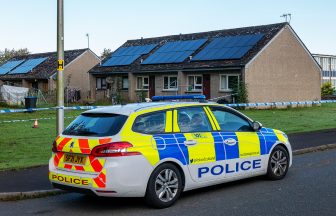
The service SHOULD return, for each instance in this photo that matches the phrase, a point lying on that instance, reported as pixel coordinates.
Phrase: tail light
(54, 147)
(115, 149)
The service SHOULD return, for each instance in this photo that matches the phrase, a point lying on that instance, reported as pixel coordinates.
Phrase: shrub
(241, 94)
(327, 89)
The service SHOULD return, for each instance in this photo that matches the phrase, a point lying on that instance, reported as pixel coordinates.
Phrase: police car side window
(192, 119)
(152, 123)
(230, 122)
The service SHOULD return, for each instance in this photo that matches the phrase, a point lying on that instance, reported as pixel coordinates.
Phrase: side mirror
(256, 126)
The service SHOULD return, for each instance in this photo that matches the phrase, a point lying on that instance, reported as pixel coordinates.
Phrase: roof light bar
(179, 97)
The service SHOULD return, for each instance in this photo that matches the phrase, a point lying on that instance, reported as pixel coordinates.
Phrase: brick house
(271, 60)
(39, 70)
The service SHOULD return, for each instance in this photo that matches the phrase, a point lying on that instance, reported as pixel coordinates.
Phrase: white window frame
(227, 81)
(194, 83)
(101, 83)
(143, 83)
(122, 83)
(169, 82)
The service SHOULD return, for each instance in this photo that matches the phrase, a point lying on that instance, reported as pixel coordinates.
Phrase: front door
(206, 85)
(151, 86)
(35, 85)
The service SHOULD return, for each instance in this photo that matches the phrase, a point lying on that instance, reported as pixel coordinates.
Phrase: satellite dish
(109, 80)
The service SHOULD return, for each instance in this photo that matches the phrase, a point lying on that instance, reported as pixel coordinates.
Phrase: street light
(60, 67)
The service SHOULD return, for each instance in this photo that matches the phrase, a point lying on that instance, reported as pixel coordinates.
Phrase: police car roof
(134, 107)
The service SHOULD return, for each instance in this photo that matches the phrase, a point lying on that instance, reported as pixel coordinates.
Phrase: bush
(327, 89)
(241, 93)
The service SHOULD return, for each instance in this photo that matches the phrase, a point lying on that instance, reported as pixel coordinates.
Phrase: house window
(333, 64)
(229, 82)
(124, 84)
(325, 64)
(326, 74)
(100, 83)
(170, 82)
(142, 82)
(195, 83)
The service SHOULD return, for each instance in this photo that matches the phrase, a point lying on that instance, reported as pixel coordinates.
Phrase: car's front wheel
(164, 186)
(278, 163)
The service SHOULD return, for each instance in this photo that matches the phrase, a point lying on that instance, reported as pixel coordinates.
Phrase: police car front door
(242, 145)
(193, 124)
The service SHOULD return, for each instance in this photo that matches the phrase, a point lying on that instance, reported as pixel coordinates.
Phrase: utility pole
(60, 67)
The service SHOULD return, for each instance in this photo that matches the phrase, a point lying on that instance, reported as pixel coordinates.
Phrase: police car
(157, 150)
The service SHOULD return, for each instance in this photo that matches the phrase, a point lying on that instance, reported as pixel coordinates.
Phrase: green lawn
(23, 146)
(297, 119)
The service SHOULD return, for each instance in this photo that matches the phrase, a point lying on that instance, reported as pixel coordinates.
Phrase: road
(308, 189)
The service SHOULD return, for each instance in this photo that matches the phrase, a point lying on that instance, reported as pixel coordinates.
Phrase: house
(328, 65)
(270, 60)
(39, 70)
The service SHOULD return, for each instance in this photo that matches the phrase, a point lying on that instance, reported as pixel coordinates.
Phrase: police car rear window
(96, 125)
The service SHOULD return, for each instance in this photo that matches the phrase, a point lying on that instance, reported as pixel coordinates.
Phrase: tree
(106, 53)
(7, 54)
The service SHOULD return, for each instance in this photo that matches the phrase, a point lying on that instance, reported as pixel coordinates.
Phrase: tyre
(164, 186)
(278, 163)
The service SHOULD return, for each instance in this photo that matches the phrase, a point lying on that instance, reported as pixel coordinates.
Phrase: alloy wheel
(279, 163)
(166, 185)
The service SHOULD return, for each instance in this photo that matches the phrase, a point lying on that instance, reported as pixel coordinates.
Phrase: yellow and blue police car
(157, 150)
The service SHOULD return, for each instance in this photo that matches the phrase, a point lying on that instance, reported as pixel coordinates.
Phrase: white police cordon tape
(266, 105)
(28, 120)
(274, 104)
(49, 108)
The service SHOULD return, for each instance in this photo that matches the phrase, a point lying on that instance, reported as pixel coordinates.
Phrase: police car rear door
(193, 129)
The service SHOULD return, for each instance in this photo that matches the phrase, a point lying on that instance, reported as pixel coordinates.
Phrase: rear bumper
(120, 177)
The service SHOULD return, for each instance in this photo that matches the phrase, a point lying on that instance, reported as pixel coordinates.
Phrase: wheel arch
(284, 146)
(177, 164)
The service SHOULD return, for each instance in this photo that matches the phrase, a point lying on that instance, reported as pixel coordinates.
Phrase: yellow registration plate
(74, 159)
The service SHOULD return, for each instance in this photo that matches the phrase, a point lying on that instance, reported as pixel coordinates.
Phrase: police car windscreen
(96, 125)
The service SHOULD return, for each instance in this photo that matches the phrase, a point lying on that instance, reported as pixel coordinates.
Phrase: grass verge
(23, 146)
(296, 120)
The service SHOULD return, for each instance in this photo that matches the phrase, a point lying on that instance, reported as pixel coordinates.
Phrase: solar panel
(127, 55)
(174, 52)
(229, 47)
(8, 66)
(27, 65)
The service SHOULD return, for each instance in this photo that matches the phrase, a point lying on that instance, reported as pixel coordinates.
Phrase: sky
(109, 23)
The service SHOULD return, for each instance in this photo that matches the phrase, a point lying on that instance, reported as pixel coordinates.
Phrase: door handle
(190, 142)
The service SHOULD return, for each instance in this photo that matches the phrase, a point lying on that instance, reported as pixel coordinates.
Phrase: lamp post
(60, 67)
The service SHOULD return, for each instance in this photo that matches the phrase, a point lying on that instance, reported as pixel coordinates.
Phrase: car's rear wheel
(164, 186)
(278, 163)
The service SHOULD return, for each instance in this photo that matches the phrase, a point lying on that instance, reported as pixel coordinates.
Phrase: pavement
(308, 189)
(23, 183)
(312, 139)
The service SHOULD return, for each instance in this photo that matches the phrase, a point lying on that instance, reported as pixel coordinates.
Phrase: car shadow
(119, 204)
(223, 186)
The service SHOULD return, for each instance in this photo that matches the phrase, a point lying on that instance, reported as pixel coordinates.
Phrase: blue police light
(179, 97)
